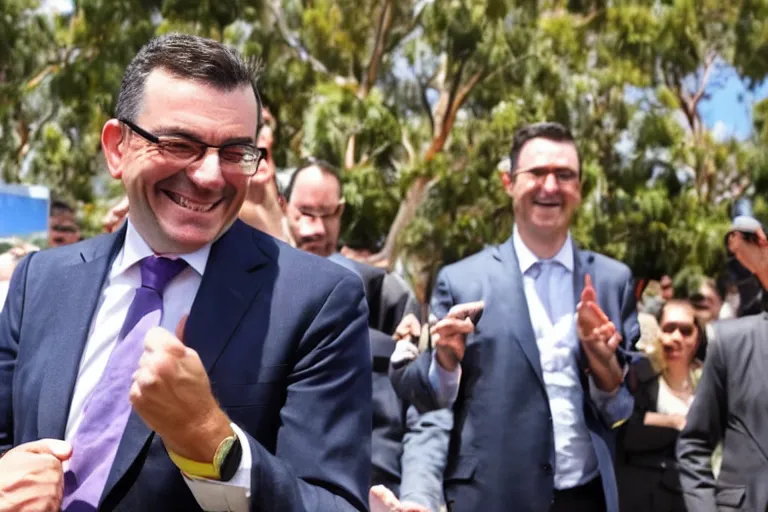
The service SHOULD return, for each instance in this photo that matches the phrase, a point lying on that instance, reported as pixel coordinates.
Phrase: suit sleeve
(704, 429)
(425, 455)
(10, 326)
(411, 378)
(323, 453)
(630, 327)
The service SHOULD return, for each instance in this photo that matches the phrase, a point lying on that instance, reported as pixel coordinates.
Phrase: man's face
(314, 212)
(667, 289)
(179, 210)
(545, 187)
(62, 229)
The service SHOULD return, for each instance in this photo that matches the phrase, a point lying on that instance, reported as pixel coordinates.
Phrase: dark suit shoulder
(737, 334)
(303, 265)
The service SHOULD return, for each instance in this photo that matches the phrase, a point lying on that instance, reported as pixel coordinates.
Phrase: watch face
(228, 460)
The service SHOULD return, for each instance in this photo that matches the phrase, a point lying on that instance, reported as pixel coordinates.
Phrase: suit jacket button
(547, 468)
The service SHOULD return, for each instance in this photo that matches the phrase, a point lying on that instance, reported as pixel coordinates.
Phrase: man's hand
(409, 328)
(172, 394)
(31, 476)
(115, 216)
(599, 339)
(753, 256)
(449, 334)
(381, 499)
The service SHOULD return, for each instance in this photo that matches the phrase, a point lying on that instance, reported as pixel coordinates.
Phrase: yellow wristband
(194, 468)
(205, 469)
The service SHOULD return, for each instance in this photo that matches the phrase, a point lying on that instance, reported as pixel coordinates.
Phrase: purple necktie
(108, 407)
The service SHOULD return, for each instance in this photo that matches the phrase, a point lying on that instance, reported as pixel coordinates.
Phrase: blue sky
(729, 110)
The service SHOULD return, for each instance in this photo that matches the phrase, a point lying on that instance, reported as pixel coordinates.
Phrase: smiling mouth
(189, 204)
(547, 204)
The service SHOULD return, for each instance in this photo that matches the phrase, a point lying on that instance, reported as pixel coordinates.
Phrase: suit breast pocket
(268, 388)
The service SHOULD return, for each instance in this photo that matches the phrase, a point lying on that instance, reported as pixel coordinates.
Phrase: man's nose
(311, 227)
(207, 172)
(550, 183)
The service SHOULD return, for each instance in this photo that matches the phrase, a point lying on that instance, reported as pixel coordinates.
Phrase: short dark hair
(58, 207)
(188, 57)
(546, 130)
(324, 166)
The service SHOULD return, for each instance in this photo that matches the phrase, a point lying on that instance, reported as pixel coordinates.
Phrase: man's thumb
(180, 328)
(62, 450)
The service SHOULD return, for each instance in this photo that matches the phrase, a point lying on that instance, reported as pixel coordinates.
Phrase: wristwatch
(227, 457)
(226, 460)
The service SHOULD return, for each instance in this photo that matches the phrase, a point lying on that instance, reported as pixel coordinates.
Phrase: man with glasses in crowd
(183, 362)
(537, 389)
(407, 449)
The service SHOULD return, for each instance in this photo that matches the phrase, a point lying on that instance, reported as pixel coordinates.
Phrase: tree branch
(293, 40)
(382, 31)
(427, 108)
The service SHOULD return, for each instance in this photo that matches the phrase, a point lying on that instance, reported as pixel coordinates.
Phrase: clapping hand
(599, 338)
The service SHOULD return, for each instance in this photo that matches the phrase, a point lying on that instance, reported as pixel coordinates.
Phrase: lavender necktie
(108, 407)
(542, 273)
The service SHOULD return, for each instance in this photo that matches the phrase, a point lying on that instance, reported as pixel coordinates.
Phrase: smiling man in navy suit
(536, 385)
(187, 361)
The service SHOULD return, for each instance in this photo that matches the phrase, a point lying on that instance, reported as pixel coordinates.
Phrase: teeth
(189, 205)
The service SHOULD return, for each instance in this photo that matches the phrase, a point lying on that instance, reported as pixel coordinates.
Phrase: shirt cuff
(444, 383)
(615, 406)
(233, 495)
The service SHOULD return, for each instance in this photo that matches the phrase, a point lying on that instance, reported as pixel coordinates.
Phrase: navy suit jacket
(282, 333)
(502, 452)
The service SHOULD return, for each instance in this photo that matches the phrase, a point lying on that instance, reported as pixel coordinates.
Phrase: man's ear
(113, 145)
(508, 180)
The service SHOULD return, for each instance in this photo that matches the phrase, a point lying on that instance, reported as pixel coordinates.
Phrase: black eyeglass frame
(259, 153)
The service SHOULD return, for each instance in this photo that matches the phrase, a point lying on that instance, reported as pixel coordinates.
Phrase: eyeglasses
(562, 175)
(235, 158)
(685, 329)
(323, 215)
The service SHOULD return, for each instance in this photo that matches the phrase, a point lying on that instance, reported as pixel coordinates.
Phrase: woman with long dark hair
(664, 385)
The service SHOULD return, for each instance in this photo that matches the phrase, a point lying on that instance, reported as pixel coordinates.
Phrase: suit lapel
(237, 268)
(518, 318)
(75, 291)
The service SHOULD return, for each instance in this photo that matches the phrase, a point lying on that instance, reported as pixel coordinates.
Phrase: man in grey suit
(730, 407)
(537, 388)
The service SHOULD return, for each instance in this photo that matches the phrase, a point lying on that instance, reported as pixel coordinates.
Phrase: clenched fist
(31, 476)
(172, 394)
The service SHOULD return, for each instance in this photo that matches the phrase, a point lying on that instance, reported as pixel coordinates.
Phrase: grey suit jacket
(730, 405)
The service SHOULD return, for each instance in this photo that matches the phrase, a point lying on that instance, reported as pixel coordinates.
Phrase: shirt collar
(527, 259)
(136, 249)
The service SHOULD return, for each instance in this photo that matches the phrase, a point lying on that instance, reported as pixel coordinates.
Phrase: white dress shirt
(116, 297)
(559, 347)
